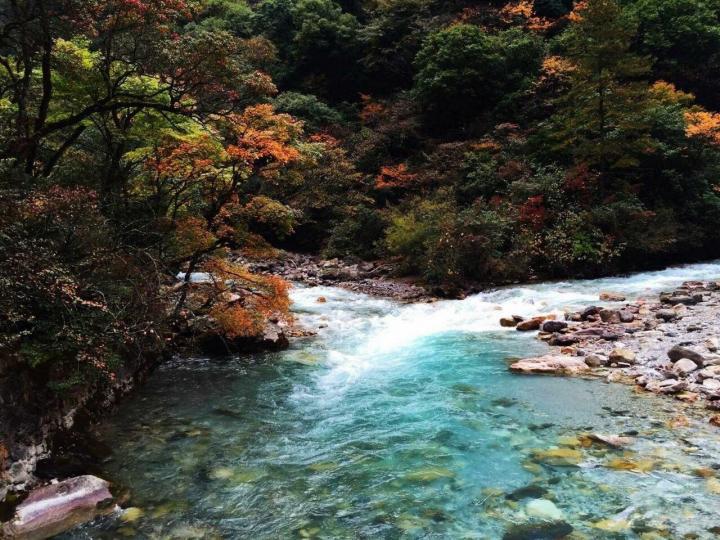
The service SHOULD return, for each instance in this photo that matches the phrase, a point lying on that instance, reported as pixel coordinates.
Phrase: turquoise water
(402, 421)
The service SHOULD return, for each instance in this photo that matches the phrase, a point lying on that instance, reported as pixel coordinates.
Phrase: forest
(467, 142)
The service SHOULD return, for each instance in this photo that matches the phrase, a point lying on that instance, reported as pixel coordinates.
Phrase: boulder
(684, 367)
(609, 296)
(565, 365)
(56, 508)
(712, 344)
(588, 312)
(553, 326)
(711, 385)
(677, 352)
(626, 316)
(620, 354)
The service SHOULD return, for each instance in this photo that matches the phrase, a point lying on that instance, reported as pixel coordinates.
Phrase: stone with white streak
(53, 509)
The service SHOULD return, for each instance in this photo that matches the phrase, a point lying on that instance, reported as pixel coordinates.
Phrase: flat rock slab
(561, 365)
(59, 507)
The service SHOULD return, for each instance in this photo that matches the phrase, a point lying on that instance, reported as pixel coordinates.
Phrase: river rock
(508, 322)
(588, 312)
(563, 340)
(668, 386)
(620, 354)
(684, 366)
(56, 508)
(610, 315)
(711, 385)
(544, 530)
(677, 352)
(543, 509)
(609, 296)
(666, 315)
(614, 441)
(530, 324)
(626, 316)
(710, 372)
(567, 365)
(553, 326)
(712, 344)
(596, 360)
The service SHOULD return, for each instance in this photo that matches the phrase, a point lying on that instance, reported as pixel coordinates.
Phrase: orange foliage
(556, 66)
(703, 124)
(261, 298)
(192, 235)
(667, 93)
(576, 15)
(394, 176)
(521, 11)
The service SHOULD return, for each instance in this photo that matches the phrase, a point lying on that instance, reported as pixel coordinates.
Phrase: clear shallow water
(402, 421)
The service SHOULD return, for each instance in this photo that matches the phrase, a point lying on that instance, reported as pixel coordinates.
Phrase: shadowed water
(402, 421)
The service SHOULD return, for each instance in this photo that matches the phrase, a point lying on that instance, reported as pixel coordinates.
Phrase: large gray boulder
(56, 508)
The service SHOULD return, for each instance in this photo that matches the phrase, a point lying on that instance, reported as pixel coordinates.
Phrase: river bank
(666, 344)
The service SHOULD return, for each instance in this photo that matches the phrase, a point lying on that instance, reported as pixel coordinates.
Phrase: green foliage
(463, 71)
(359, 234)
(683, 36)
(552, 8)
(315, 113)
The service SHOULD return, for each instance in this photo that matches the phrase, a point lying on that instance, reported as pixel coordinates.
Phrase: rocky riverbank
(372, 278)
(667, 345)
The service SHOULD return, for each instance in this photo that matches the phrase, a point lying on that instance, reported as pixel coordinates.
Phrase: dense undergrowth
(469, 141)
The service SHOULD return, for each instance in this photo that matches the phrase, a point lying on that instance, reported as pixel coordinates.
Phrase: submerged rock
(533, 491)
(56, 508)
(543, 509)
(548, 530)
(615, 441)
(562, 457)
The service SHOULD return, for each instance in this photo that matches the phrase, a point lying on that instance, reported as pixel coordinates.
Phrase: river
(402, 421)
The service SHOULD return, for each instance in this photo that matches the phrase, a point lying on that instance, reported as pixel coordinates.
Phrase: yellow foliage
(703, 124)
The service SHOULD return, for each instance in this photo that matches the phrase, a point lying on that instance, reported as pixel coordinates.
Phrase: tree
(602, 119)
(205, 185)
(107, 62)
